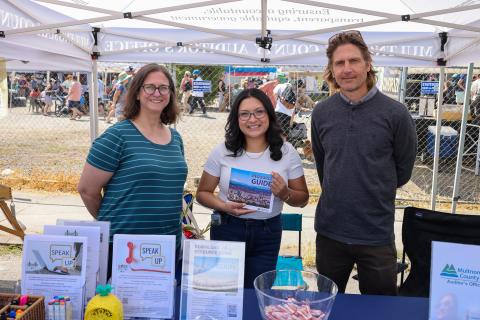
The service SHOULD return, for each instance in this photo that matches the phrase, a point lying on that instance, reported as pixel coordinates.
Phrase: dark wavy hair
(234, 137)
(348, 38)
(132, 103)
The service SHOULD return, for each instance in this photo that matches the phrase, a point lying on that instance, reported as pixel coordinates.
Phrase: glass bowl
(293, 294)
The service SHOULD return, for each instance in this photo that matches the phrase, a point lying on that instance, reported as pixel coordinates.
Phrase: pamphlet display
(93, 247)
(143, 273)
(53, 266)
(212, 280)
(104, 238)
(455, 281)
(251, 188)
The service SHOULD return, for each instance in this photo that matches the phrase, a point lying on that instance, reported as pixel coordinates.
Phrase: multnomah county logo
(449, 271)
(465, 276)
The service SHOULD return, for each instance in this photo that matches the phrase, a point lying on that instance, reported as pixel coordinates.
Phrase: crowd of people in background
(44, 96)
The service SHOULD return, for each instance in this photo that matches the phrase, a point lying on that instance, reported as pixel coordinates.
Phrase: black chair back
(421, 227)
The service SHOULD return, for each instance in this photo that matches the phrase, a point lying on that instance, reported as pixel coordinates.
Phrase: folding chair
(17, 229)
(290, 222)
(421, 227)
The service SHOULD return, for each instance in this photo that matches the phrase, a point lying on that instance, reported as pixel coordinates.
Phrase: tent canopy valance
(399, 33)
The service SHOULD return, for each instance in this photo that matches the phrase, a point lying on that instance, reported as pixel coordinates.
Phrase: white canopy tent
(399, 33)
(66, 35)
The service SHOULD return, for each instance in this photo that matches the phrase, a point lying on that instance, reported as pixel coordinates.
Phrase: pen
(56, 308)
(51, 314)
(69, 309)
(62, 310)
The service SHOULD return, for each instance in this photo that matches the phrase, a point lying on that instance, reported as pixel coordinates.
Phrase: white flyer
(53, 266)
(104, 241)
(212, 280)
(93, 251)
(455, 281)
(143, 273)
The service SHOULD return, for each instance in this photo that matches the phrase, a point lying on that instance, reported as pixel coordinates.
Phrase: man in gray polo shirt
(364, 145)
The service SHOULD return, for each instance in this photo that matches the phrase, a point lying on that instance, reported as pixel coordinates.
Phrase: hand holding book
(236, 208)
(279, 187)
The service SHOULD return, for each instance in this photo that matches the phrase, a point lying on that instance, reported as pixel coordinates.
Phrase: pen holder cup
(36, 310)
(292, 294)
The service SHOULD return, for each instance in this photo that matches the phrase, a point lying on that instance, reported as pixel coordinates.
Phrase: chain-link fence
(418, 89)
(50, 150)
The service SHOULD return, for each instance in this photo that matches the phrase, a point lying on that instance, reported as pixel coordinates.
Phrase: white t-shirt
(219, 164)
(278, 90)
(475, 88)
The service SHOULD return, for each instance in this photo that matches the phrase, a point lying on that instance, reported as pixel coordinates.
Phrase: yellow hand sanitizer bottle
(104, 306)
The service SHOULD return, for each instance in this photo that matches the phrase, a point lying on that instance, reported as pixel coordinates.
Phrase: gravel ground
(54, 148)
(35, 145)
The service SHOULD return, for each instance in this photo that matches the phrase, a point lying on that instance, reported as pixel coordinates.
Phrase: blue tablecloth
(355, 307)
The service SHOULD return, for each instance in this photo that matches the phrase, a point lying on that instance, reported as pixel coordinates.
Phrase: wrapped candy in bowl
(294, 294)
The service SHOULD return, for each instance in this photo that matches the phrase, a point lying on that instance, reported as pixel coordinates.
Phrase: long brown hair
(348, 37)
(132, 103)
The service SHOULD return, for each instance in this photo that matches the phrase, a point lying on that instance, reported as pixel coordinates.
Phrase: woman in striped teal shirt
(139, 163)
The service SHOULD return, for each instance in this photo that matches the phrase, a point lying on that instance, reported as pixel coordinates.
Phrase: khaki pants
(185, 96)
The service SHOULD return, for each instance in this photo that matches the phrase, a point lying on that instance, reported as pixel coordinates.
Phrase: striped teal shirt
(144, 195)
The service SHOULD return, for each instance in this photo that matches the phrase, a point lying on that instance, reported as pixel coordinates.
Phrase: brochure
(143, 273)
(104, 238)
(454, 281)
(251, 188)
(212, 280)
(55, 265)
(93, 250)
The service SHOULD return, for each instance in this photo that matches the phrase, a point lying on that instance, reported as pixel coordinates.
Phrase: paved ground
(36, 209)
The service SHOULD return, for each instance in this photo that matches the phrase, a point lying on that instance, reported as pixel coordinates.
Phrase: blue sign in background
(202, 86)
(429, 87)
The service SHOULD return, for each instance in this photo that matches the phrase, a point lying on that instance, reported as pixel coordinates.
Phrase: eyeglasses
(258, 114)
(348, 33)
(150, 89)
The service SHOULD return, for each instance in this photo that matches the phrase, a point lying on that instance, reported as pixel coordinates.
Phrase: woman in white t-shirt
(256, 172)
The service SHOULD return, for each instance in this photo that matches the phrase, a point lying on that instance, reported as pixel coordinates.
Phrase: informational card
(251, 188)
(104, 238)
(143, 273)
(93, 251)
(455, 281)
(212, 280)
(53, 266)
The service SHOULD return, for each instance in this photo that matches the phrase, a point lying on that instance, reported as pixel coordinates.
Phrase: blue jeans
(262, 242)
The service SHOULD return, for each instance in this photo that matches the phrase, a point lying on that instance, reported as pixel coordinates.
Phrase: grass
(10, 249)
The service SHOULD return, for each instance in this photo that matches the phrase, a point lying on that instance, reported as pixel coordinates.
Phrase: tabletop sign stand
(5, 195)
(455, 281)
(143, 275)
(212, 280)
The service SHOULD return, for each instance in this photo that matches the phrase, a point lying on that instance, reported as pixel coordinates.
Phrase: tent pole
(444, 11)
(438, 130)
(230, 87)
(93, 100)
(403, 85)
(461, 142)
(468, 45)
(477, 165)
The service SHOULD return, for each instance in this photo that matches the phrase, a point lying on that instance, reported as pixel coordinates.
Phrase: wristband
(288, 196)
